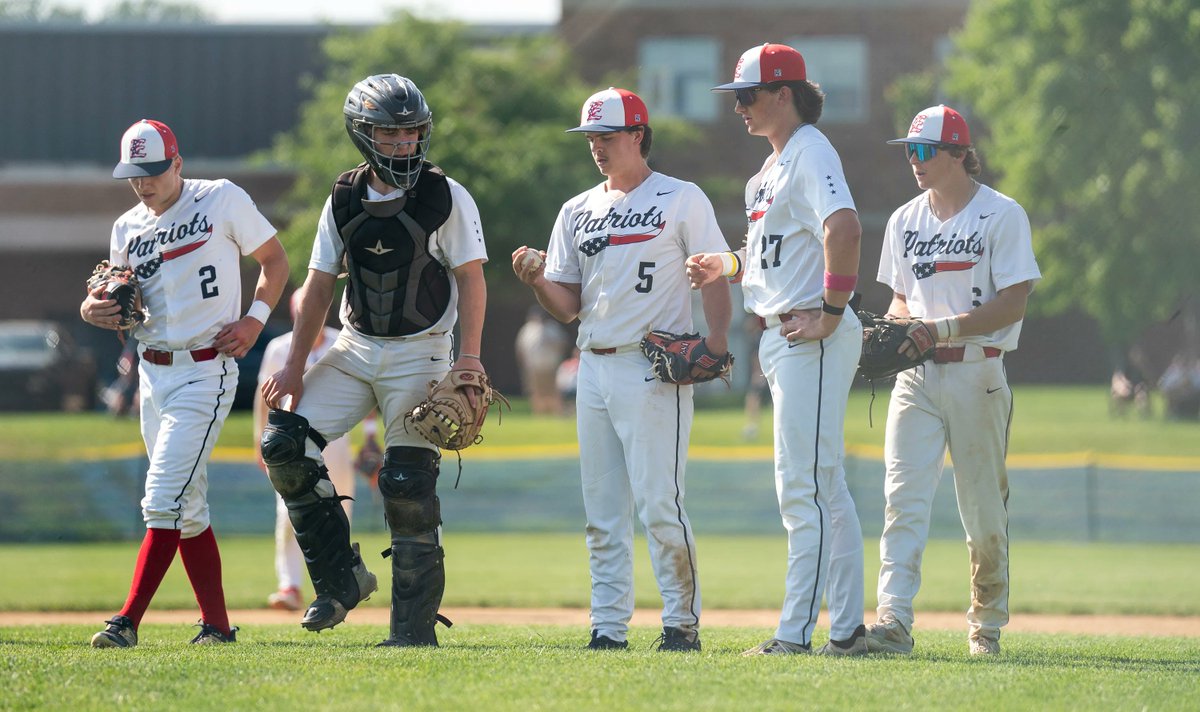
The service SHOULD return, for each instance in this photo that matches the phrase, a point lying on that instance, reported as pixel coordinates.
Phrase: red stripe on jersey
(181, 251)
(631, 239)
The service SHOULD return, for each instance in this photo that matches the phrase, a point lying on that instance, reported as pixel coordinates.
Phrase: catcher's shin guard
(418, 581)
(339, 577)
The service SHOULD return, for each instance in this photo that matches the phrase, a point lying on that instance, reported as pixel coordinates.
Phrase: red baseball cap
(763, 65)
(938, 125)
(147, 149)
(612, 110)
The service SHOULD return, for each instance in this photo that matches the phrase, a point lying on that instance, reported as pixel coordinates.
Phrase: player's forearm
(561, 300)
(1007, 308)
(310, 316)
(718, 312)
(472, 305)
(273, 275)
(843, 236)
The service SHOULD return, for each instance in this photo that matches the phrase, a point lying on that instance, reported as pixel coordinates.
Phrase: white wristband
(259, 310)
(728, 265)
(947, 327)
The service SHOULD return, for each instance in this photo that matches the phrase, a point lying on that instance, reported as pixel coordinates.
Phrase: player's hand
(469, 364)
(104, 313)
(283, 389)
(236, 339)
(703, 268)
(807, 325)
(909, 349)
(529, 264)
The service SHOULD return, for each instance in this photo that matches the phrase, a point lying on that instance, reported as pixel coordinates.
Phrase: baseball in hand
(531, 260)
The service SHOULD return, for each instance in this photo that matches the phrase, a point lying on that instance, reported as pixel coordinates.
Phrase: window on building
(677, 75)
(839, 65)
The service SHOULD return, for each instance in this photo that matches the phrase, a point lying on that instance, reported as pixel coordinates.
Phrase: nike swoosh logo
(992, 390)
(436, 358)
(665, 192)
(985, 217)
(650, 378)
(202, 196)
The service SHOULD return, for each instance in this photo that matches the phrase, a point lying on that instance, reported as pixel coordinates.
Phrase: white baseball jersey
(458, 241)
(787, 203)
(627, 250)
(188, 261)
(951, 267)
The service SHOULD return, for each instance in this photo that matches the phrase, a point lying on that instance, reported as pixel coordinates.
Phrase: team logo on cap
(137, 148)
(917, 125)
(737, 70)
(595, 110)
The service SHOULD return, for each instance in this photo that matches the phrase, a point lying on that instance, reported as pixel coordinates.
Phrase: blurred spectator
(1180, 386)
(1129, 389)
(541, 342)
(567, 378)
(121, 396)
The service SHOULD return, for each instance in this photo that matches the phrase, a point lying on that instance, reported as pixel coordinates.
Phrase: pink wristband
(840, 282)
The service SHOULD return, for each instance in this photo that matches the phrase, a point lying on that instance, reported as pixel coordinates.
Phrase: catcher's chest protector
(395, 287)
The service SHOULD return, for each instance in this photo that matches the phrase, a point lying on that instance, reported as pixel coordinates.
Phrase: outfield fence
(731, 494)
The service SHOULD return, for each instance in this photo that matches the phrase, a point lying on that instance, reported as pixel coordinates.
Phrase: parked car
(42, 368)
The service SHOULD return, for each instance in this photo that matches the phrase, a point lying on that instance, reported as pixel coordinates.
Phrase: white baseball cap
(763, 65)
(147, 149)
(612, 110)
(938, 125)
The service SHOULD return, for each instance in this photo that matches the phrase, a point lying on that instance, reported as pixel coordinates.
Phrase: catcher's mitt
(684, 358)
(882, 339)
(446, 417)
(120, 284)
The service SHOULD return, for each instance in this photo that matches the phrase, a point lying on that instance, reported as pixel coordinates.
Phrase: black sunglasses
(746, 97)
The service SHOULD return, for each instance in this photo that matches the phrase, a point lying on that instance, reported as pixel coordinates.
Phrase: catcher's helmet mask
(388, 101)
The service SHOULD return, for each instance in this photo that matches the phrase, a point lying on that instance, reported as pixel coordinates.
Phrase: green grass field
(536, 667)
(544, 667)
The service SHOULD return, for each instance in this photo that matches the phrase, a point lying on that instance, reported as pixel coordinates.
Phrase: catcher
(409, 239)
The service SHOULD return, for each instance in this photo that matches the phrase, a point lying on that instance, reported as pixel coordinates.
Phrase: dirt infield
(1186, 626)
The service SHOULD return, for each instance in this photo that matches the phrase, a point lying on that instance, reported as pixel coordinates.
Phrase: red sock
(154, 558)
(202, 560)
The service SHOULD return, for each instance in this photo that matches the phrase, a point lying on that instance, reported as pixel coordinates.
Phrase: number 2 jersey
(627, 252)
(188, 261)
(787, 203)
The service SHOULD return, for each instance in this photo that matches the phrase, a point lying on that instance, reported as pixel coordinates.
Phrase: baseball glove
(446, 417)
(882, 339)
(120, 284)
(684, 358)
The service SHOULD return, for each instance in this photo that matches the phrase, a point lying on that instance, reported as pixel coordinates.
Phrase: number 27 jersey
(787, 204)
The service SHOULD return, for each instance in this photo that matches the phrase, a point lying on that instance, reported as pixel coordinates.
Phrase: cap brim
(597, 128)
(141, 170)
(731, 86)
(926, 141)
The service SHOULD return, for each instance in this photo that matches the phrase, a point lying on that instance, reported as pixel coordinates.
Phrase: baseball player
(288, 560)
(615, 262)
(959, 257)
(410, 240)
(798, 270)
(184, 240)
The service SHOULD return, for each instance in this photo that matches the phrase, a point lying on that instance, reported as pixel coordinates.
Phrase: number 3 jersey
(951, 267)
(787, 203)
(627, 253)
(188, 261)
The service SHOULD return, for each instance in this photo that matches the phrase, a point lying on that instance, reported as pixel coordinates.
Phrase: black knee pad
(283, 438)
(408, 482)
